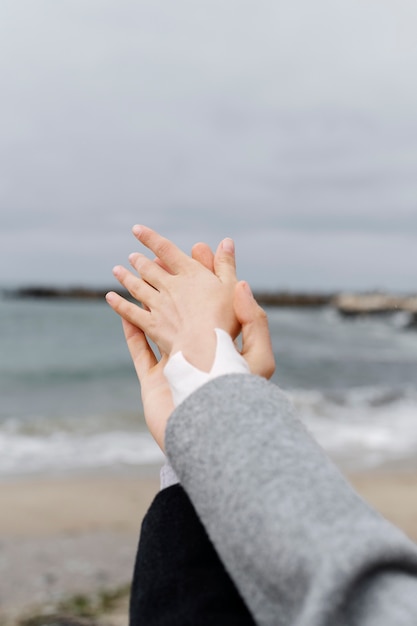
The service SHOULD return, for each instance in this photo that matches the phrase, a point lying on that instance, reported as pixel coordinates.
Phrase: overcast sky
(288, 125)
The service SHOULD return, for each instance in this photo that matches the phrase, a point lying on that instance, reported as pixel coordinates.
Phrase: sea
(70, 400)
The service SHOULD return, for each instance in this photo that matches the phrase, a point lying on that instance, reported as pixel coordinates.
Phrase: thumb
(225, 262)
(256, 339)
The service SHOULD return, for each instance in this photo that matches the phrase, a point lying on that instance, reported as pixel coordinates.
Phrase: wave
(360, 428)
(363, 428)
(353, 398)
(24, 454)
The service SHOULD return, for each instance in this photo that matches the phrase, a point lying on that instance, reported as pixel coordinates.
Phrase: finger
(170, 255)
(128, 310)
(202, 253)
(138, 288)
(256, 339)
(142, 355)
(153, 273)
(159, 262)
(224, 261)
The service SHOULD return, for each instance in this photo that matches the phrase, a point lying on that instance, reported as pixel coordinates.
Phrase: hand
(256, 339)
(256, 349)
(155, 391)
(183, 300)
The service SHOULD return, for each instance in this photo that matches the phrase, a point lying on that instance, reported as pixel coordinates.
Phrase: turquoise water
(70, 398)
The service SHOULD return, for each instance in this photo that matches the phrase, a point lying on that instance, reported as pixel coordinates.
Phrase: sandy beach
(65, 535)
(78, 533)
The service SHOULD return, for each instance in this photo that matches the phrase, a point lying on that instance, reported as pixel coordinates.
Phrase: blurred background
(289, 126)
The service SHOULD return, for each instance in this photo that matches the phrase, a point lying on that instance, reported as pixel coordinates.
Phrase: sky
(289, 126)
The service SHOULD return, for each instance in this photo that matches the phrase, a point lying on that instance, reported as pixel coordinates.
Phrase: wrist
(184, 378)
(198, 348)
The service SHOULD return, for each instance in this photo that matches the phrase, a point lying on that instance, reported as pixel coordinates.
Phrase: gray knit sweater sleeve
(302, 547)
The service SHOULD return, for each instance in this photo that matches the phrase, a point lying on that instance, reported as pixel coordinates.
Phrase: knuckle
(140, 263)
(261, 315)
(131, 285)
(162, 248)
(121, 306)
(127, 309)
(135, 292)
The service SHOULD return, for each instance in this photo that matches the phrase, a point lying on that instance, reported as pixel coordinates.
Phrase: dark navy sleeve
(179, 579)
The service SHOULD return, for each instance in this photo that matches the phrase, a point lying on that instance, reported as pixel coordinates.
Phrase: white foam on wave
(364, 428)
(359, 427)
(23, 454)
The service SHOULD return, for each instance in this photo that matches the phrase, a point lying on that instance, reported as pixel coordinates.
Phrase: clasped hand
(183, 300)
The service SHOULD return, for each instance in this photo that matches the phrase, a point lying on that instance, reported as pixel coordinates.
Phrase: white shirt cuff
(167, 476)
(183, 378)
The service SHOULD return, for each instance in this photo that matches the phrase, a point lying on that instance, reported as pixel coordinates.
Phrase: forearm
(297, 540)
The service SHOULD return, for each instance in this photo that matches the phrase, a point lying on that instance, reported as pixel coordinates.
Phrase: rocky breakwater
(353, 305)
(61, 293)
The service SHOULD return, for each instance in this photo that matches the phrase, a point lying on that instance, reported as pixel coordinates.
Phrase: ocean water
(70, 399)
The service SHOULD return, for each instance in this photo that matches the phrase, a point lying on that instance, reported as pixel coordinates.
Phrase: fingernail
(116, 270)
(109, 297)
(228, 245)
(137, 230)
(132, 257)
